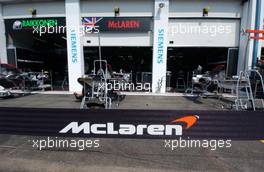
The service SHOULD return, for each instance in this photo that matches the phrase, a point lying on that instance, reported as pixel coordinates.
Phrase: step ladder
(244, 95)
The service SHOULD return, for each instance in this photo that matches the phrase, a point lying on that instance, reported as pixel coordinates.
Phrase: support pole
(74, 45)
(159, 58)
(256, 49)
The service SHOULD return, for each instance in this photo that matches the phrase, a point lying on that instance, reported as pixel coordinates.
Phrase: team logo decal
(89, 24)
(17, 25)
(175, 127)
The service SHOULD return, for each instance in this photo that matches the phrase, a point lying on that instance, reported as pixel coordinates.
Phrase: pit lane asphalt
(129, 102)
(114, 155)
(130, 155)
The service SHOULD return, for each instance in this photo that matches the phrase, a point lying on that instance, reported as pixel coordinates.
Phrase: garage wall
(44, 9)
(217, 8)
(203, 33)
(3, 53)
(263, 34)
(104, 8)
(119, 39)
(128, 8)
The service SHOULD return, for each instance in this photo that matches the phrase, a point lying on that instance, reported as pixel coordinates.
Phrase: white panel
(217, 8)
(246, 46)
(262, 24)
(74, 50)
(44, 9)
(204, 33)
(104, 8)
(159, 61)
(261, 42)
(3, 54)
(119, 39)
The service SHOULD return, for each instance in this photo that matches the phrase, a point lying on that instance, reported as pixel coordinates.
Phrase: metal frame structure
(99, 87)
(244, 94)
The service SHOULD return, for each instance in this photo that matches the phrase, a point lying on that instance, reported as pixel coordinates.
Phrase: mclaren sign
(131, 129)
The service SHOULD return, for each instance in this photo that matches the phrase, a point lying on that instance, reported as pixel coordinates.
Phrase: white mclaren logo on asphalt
(130, 129)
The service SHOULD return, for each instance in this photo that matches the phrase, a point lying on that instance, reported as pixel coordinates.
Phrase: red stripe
(256, 37)
(255, 31)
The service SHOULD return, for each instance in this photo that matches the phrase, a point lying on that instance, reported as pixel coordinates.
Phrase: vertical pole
(74, 45)
(246, 45)
(3, 51)
(159, 59)
(257, 27)
(100, 51)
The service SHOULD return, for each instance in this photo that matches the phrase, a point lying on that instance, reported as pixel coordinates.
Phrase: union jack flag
(89, 23)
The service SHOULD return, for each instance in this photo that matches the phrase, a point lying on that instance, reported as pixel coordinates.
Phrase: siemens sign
(74, 46)
(160, 57)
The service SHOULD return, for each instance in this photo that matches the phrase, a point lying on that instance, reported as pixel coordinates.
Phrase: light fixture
(205, 11)
(33, 11)
(161, 5)
(116, 11)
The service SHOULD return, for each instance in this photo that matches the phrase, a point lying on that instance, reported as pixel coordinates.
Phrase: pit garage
(124, 42)
(182, 62)
(37, 47)
(136, 61)
(203, 44)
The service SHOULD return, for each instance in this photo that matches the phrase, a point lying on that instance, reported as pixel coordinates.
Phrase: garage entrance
(34, 52)
(134, 60)
(182, 62)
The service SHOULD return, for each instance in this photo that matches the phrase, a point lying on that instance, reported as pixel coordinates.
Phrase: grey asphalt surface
(114, 155)
(129, 102)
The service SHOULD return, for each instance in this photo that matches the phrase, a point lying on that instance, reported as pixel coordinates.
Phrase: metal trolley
(99, 91)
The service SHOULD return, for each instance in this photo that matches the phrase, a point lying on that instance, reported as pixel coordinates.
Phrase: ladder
(244, 95)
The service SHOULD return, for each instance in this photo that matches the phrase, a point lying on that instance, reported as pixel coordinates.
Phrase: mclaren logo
(174, 128)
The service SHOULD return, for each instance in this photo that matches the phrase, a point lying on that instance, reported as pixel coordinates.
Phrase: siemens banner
(159, 62)
(160, 51)
(74, 46)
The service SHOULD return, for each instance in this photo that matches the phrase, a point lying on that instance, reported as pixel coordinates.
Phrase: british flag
(89, 23)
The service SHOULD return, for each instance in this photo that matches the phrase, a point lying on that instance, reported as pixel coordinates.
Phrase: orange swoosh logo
(188, 120)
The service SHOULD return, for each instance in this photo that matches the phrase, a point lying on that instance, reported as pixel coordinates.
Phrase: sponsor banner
(159, 62)
(74, 45)
(28, 24)
(159, 124)
(116, 24)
